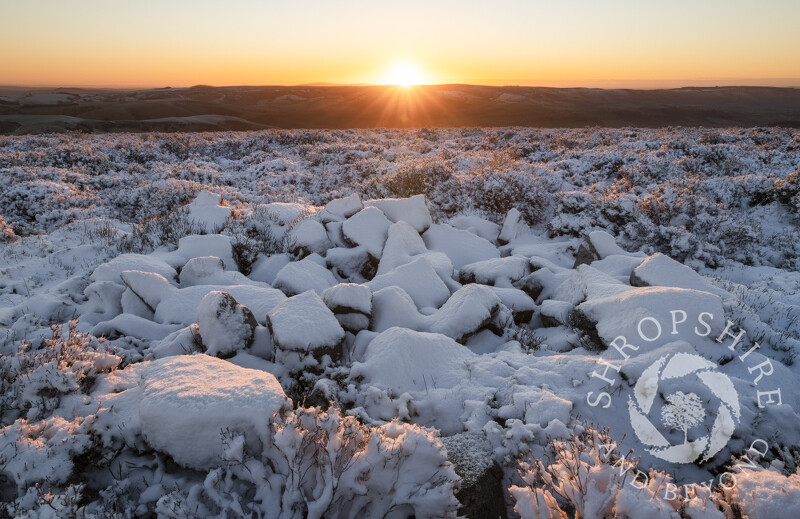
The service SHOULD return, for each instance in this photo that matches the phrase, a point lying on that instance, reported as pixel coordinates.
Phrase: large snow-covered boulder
(467, 311)
(225, 325)
(412, 210)
(265, 268)
(303, 324)
(419, 279)
(404, 360)
(300, 276)
(110, 271)
(404, 245)
(352, 263)
(150, 287)
(367, 228)
(188, 402)
(661, 270)
(198, 245)
(207, 212)
(513, 226)
(462, 247)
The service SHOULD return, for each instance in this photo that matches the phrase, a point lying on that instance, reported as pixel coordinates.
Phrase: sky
(608, 43)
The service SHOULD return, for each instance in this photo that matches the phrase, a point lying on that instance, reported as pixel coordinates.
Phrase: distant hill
(206, 108)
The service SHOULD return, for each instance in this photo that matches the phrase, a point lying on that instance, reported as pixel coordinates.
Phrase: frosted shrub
(34, 381)
(323, 464)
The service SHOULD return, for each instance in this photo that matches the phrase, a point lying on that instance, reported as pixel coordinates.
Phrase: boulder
(225, 326)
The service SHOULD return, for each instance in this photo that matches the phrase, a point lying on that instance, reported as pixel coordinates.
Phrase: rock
(209, 270)
(353, 322)
(347, 298)
(500, 272)
(304, 325)
(300, 276)
(225, 326)
(661, 270)
(342, 208)
(187, 400)
(597, 245)
(513, 226)
(150, 287)
(404, 360)
(555, 313)
(111, 271)
(308, 236)
(265, 268)
(521, 304)
(367, 228)
(476, 225)
(482, 491)
(412, 210)
(180, 306)
(462, 247)
(419, 280)
(531, 285)
(351, 263)
(467, 311)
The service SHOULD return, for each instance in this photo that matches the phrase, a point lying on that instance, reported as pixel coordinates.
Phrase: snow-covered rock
(180, 306)
(597, 245)
(265, 268)
(347, 298)
(303, 323)
(151, 288)
(476, 225)
(197, 245)
(404, 360)
(209, 270)
(110, 271)
(412, 210)
(353, 263)
(521, 304)
(309, 236)
(300, 276)
(462, 247)
(367, 228)
(188, 401)
(225, 326)
(501, 272)
(467, 311)
(513, 226)
(555, 313)
(661, 270)
(207, 212)
(342, 208)
(418, 279)
(284, 213)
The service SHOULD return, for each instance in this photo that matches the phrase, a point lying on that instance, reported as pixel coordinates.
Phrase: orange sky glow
(639, 44)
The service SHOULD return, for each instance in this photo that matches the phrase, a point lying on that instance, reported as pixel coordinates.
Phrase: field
(397, 323)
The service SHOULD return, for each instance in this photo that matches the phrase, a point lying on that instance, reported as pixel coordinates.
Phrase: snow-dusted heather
(385, 323)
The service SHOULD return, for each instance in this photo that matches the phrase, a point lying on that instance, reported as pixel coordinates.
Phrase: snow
(110, 271)
(404, 360)
(418, 279)
(462, 247)
(209, 270)
(300, 276)
(348, 297)
(501, 272)
(265, 268)
(208, 212)
(661, 270)
(344, 207)
(197, 245)
(411, 210)
(180, 305)
(225, 326)
(304, 323)
(367, 228)
(513, 225)
(188, 401)
(309, 235)
(476, 225)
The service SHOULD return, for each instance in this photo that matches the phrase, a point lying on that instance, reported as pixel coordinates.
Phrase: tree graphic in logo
(684, 411)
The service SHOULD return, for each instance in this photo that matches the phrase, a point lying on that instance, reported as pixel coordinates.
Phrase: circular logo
(703, 413)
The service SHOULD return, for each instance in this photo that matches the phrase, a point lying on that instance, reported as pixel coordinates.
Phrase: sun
(404, 73)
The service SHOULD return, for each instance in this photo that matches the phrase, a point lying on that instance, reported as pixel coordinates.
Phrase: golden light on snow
(404, 73)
